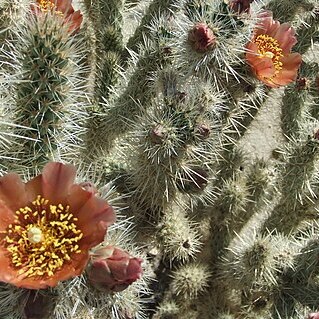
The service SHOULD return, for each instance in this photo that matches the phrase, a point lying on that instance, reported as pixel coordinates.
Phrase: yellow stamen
(49, 6)
(40, 241)
(270, 48)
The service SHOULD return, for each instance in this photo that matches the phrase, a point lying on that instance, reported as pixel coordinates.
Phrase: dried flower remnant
(47, 227)
(61, 8)
(269, 52)
(201, 38)
(113, 269)
(240, 6)
(158, 134)
(316, 134)
(302, 83)
(203, 130)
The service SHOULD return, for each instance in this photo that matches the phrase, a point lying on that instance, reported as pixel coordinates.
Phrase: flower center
(42, 238)
(49, 6)
(270, 48)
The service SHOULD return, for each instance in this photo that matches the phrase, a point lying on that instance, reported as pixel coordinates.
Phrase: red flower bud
(313, 315)
(201, 38)
(113, 269)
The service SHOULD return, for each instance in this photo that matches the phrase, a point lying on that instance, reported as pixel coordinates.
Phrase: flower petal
(34, 188)
(93, 213)
(263, 67)
(7, 273)
(12, 191)
(285, 35)
(134, 270)
(64, 6)
(265, 23)
(57, 179)
(70, 270)
(6, 217)
(289, 72)
(94, 219)
(78, 197)
(74, 21)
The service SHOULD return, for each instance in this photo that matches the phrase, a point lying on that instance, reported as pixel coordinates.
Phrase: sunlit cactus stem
(108, 25)
(45, 90)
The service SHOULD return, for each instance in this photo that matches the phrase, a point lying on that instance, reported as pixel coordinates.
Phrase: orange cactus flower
(47, 227)
(62, 8)
(269, 52)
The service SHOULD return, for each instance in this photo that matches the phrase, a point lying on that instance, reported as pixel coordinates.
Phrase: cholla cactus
(154, 102)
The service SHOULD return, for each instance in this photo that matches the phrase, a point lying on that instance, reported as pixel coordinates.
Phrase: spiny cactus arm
(47, 90)
(314, 90)
(256, 265)
(108, 26)
(10, 11)
(189, 283)
(306, 266)
(259, 176)
(284, 306)
(294, 184)
(306, 294)
(246, 111)
(166, 308)
(206, 47)
(190, 280)
(285, 10)
(236, 122)
(299, 283)
(307, 31)
(254, 259)
(113, 121)
(9, 306)
(251, 195)
(293, 108)
(173, 148)
(155, 9)
(177, 236)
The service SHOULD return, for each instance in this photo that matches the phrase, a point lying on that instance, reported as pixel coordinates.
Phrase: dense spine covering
(48, 95)
(223, 233)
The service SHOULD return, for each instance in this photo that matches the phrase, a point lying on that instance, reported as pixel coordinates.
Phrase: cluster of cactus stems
(150, 101)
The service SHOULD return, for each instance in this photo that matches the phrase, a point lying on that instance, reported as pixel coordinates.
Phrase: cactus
(155, 104)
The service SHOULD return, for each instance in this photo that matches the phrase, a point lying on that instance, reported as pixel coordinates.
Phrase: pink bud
(201, 38)
(313, 315)
(113, 269)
